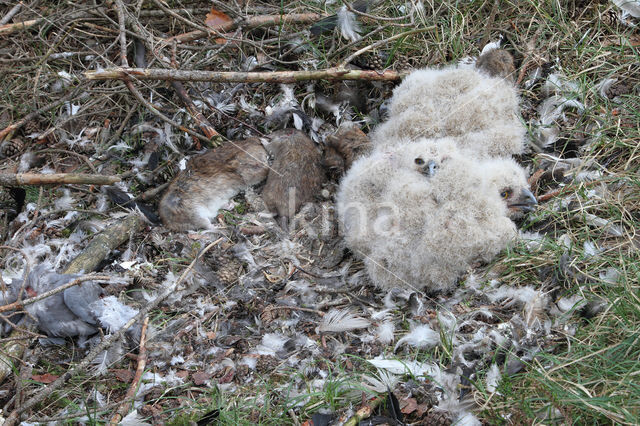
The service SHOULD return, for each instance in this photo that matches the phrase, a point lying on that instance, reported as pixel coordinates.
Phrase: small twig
(15, 126)
(123, 409)
(21, 179)
(535, 177)
(197, 116)
(364, 412)
(563, 190)
(151, 193)
(295, 308)
(10, 14)
(381, 42)
(335, 73)
(528, 60)
(20, 304)
(249, 22)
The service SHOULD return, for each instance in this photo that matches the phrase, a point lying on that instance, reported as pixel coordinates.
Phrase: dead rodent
(497, 63)
(296, 173)
(344, 148)
(194, 197)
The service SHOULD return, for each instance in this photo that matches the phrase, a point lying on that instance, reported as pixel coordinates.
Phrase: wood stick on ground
(364, 412)
(12, 420)
(20, 304)
(123, 409)
(242, 77)
(197, 116)
(10, 14)
(248, 22)
(18, 26)
(21, 179)
(564, 190)
(88, 260)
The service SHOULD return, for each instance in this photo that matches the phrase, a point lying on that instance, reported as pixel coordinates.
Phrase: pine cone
(438, 418)
(11, 147)
(8, 204)
(402, 64)
(226, 267)
(372, 61)
(31, 126)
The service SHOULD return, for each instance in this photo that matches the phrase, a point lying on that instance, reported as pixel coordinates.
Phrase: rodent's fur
(209, 181)
(296, 173)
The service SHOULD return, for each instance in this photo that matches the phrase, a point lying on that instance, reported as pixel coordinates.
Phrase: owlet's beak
(525, 202)
(429, 169)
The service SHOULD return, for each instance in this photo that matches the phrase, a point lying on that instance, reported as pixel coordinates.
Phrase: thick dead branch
(242, 77)
(14, 10)
(55, 179)
(250, 22)
(88, 260)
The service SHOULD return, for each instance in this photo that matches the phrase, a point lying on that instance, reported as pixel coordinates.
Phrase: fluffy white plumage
(479, 111)
(421, 214)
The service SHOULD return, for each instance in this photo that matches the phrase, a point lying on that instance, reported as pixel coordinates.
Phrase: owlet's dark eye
(419, 161)
(506, 193)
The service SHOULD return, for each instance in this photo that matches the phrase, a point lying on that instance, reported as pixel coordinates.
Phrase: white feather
(65, 202)
(421, 336)
(414, 368)
(384, 332)
(348, 24)
(133, 419)
(632, 7)
(493, 378)
(112, 313)
(338, 320)
(492, 46)
(271, 343)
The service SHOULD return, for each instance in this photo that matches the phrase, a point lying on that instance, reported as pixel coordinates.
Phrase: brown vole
(296, 172)
(344, 147)
(497, 63)
(194, 197)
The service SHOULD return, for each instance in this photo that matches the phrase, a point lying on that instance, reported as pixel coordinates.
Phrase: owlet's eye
(419, 161)
(506, 193)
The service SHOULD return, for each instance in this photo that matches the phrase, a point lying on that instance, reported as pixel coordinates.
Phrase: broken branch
(250, 22)
(242, 77)
(18, 26)
(21, 179)
(22, 303)
(123, 409)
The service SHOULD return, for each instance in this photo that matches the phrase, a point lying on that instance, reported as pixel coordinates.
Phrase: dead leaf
(123, 375)
(408, 405)
(183, 374)
(228, 377)
(200, 377)
(44, 378)
(216, 19)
